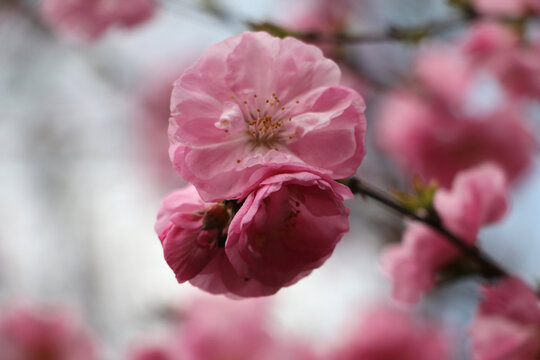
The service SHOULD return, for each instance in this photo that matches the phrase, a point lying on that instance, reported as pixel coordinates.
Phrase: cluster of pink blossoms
(90, 19)
(29, 333)
(478, 197)
(440, 128)
(261, 127)
(219, 329)
(507, 323)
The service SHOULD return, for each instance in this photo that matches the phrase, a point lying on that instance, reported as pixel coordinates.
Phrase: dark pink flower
(90, 19)
(386, 333)
(28, 333)
(254, 103)
(507, 324)
(287, 227)
(195, 254)
(478, 197)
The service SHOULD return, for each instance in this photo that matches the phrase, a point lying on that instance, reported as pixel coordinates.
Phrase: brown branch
(487, 267)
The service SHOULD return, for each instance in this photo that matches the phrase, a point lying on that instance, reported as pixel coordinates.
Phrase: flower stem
(487, 267)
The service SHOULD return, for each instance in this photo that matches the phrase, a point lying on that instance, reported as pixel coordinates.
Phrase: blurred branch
(412, 34)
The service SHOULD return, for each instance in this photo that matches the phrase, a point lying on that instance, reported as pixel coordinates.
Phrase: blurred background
(84, 165)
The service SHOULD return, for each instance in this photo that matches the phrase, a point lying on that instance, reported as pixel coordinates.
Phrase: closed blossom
(287, 227)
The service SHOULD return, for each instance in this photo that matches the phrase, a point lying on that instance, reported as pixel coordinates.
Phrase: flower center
(267, 121)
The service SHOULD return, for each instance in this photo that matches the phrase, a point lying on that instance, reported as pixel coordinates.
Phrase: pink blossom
(426, 139)
(496, 48)
(436, 62)
(287, 227)
(90, 19)
(196, 255)
(507, 324)
(487, 39)
(387, 333)
(152, 110)
(478, 197)
(154, 352)
(448, 123)
(254, 103)
(218, 328)
(512, 8)
(28, 333)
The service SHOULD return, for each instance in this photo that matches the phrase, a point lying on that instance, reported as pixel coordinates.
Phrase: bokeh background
(83, 167)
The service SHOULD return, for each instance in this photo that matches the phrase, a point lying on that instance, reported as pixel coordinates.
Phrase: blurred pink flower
(90, 19)
(28, 333)
(287, 227)
(163, 351)
(478, 197)
(387, 333)
(425, 139)
(497, 48)
(195, 254)
(450, 123)
(217, 328)
(512, 8)
(254, 103)
(507, 324)
(153, 97)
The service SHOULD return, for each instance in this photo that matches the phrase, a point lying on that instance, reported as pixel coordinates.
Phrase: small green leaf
(421, 198)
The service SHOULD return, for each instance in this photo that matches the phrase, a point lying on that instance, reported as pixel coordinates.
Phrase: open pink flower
(28, 333)
(478, 197)
(287, 227)
(254, 103)
(507, 324)
(89, 19)
(195, 254)
(387, 333)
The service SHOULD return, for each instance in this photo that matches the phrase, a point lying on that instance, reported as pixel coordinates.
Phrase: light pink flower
(487, 39)
(153, 102)
(478, 197)
(28, 333)
(197, 255)
(512, 8)
(424, 138)
(218, 328)
(386, 333)
(90, 19)
(254, 103)
(287, 227)
(507, 324)
(496, 48)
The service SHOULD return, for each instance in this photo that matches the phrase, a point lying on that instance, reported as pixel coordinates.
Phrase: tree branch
(487, 267)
